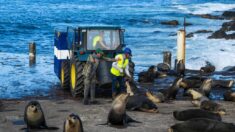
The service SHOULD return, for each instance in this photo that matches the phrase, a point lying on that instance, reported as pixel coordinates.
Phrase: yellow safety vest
(121, 64)
(96, 40)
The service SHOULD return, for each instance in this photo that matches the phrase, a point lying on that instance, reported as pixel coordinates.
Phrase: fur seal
(117, 114)
(34, 117)
(194, 94)
(173, 89)
(73, 123)
(229, 96)
(209, 68)
(202, 125)
(147, 76)
(141, 103)
(223, 83)
(155, 98)
(195, 113)
(212, 107)
(206, 87)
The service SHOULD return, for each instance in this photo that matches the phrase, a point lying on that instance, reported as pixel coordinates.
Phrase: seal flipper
(129, 119)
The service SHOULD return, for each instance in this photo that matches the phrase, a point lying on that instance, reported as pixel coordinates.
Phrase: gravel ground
(12, 111)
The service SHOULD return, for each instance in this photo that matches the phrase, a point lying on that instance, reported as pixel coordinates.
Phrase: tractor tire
(131, 68)
(76, 78)
(64, 75)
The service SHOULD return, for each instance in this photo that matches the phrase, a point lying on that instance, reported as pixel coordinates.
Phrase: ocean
(23, 21)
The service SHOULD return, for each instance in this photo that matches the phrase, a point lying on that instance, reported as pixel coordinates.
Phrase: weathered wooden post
(180, 63)
(32, 53)
(167, 58)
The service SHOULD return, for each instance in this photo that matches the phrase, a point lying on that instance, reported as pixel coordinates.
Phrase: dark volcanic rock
(188, 24)
(228, 26)
(229, 68)
(208, 16)
(190, 35)
(173, 22)
(218, 35)
(230, 36)
(203, 31)
(229, 15)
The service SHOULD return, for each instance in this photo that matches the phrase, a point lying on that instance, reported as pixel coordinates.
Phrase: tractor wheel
(131, 67)
(76, 78)
(64, 75)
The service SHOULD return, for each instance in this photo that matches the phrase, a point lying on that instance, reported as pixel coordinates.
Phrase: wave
(206, 8)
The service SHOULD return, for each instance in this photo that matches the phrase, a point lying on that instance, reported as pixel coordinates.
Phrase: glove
(121, 71)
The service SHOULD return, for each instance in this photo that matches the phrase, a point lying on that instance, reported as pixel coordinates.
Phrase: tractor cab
(76, 45)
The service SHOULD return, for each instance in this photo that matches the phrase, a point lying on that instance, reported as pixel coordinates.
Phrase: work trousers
(89, 87)
(120, 81)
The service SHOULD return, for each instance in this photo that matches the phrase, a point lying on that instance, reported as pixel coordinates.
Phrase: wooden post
(167, 58)
(180, 50)
(32, 53)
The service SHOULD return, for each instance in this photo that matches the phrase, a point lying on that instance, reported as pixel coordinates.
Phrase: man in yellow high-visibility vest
(99, 39)
(118, 68)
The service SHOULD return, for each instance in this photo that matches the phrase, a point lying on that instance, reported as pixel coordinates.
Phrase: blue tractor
(72, 48)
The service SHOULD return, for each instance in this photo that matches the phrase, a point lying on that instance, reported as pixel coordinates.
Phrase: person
(89, 73)
(99, 39)
(118, 69)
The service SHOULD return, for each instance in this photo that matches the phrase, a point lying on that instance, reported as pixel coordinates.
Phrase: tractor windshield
(103, 39)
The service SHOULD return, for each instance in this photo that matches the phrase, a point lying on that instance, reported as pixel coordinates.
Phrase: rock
(218, 35)
(208, 16)
(188, 24)
(229, 14)
(230, 36)
(228, 26)
(172, 34)
(190, 35)
(173, 22)
(203, 31)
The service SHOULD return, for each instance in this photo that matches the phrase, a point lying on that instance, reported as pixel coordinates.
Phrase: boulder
(173, 22)
(190, 35)
(228, 26)
(229, 14)
(218, 35)
(203, 31)
(208, 16)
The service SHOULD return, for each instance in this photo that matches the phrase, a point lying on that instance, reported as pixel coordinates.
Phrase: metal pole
(180, 66)
(167, 58)
(32, 53)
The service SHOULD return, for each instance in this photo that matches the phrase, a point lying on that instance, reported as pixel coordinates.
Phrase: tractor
(72, 48)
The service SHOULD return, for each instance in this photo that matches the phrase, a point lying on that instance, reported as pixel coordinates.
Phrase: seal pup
(202, 125)
(173, 89)
(223, 83)
(34, 117)
(117, 114)
(195, 113)
(229, 96)
(73, 123)
(212, 107)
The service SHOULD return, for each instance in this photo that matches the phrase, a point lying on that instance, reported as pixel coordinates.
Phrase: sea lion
(34, 117)
(202, 125)
(73, 123)
(163, 67)
(117, 114)
(173, 89)
(195, 113)
(197, 103)
(229, 96)
(141, 103)
(212, 107)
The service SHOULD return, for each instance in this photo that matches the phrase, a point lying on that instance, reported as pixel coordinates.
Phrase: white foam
(206, 8)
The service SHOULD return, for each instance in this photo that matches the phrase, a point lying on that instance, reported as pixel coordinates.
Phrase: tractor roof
(100, 27)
